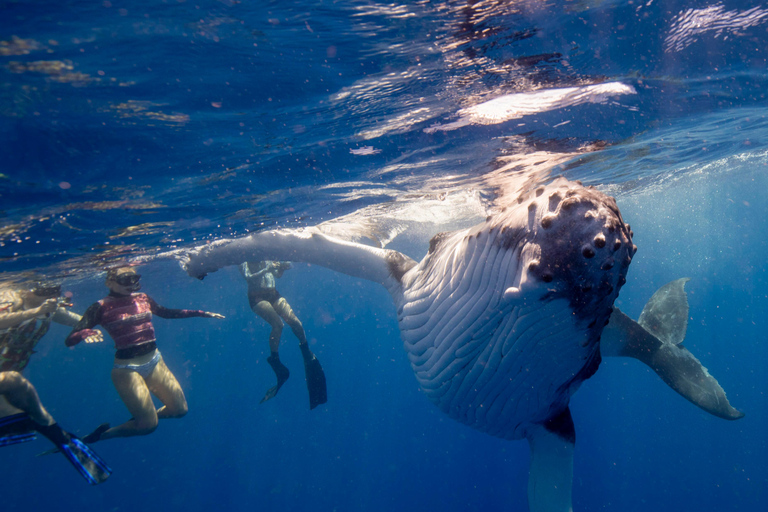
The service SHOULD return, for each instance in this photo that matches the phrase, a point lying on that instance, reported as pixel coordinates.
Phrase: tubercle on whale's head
(576, 244)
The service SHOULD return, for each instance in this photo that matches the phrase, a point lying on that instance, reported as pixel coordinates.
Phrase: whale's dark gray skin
(502, 322)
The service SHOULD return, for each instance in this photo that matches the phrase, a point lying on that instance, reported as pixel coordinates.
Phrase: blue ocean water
(130, 129)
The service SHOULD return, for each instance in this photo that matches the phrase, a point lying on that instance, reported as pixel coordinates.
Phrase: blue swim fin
(15, 429)
(80, 455)
(18, 428)
(85, 460)
(16, 439)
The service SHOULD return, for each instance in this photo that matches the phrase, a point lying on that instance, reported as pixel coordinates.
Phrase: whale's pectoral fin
(307, 245)
(550, 475)
(656, 340)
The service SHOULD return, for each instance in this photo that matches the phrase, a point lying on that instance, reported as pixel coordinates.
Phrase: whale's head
(502, 321)
(573, 243)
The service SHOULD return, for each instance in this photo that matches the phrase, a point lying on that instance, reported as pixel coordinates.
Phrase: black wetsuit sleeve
(164, 312)
(84, 328)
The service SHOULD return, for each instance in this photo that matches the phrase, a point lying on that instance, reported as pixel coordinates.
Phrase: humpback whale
(503, 321)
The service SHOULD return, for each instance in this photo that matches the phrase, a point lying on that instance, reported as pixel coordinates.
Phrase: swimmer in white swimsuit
(139, 370)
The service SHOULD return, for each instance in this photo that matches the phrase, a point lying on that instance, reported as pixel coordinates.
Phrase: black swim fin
(85, 461)
(318, 393)
(282, 374)
(89, 439)
(96, 434)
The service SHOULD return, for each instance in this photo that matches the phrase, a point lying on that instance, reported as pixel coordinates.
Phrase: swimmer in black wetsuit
(266, 302)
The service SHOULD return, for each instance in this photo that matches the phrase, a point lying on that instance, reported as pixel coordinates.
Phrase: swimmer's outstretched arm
(164, 312)
(84, 329)
(10, 319)
(65, 317)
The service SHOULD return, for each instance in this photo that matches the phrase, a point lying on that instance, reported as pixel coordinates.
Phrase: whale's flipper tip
(680, 369)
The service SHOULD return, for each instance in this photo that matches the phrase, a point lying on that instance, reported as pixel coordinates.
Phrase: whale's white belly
(495, 364)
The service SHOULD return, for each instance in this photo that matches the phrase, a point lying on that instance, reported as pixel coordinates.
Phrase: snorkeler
(25, 317)
(22, 415)
(139, 368)
(267, 303)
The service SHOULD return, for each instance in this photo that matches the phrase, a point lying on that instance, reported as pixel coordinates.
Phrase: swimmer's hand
(47, 307)
(65, 302)
(96, 337)
(208, 314)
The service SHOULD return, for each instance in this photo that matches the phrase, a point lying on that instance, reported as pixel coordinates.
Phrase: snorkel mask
(128, 279)
(46, 289)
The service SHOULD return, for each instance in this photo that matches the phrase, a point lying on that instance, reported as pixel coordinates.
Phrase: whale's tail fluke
(656, 340)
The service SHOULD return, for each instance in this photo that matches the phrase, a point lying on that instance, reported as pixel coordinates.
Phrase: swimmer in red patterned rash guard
(139, 368)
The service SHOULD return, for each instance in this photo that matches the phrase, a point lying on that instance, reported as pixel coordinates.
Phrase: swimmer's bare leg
(20, 394)
(316, 385)
(163, 384)
(136, 397)
(265, 310)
